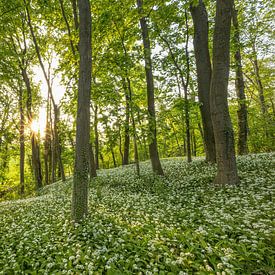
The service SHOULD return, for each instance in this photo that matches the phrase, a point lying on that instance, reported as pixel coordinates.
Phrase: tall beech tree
(153, 145)
(204, 71)
(81, 170)
(223, 130)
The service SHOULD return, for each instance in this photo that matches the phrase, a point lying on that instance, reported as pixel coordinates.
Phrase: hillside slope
(177, 224)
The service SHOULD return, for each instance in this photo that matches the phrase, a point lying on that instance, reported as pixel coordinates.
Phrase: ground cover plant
(177, 224)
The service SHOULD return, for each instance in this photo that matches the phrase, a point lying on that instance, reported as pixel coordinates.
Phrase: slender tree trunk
(153, 146)
(47, 146)
(120, 144)
(187, 123)
(126, 129)
(204, 71)
(102, 160)
(131, 109)
(194, 142)
(259, 82)
(36, 163)
(113, 157)
(223, 131)
(75, 14)
(22, 143)
(186, 101)
(81, 172)
(96, 138)
(58, 146)
(242, 111)
(92, 165)
(67, 26)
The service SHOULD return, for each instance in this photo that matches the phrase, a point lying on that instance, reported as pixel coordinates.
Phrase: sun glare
(39, 125)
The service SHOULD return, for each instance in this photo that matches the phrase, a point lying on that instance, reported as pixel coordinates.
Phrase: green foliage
(178, 224)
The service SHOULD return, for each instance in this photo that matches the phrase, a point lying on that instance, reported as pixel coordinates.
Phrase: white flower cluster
(177, 224)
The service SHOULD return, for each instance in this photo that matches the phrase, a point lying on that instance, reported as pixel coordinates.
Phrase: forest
(137, 137)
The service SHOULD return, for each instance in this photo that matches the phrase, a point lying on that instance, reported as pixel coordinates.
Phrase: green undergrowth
(177, 224)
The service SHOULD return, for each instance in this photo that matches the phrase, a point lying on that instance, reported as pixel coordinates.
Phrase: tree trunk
(92, 165)
(203, 66)
(223, 131)
(81, 171)
(75, 14)
(239, 83)
(22, 143)
(259, 81)
(96, 138)
(131, 107)
(36, 163)
(153, 147)
(58, 147)
(194, 139)
(126, 129)
(113, 157)
(47, 146)
(120, 144)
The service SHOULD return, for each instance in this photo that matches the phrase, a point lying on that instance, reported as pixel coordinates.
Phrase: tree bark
(204, 71)
(153, 146)
(239, 84)
(223, 131)
(81, 171)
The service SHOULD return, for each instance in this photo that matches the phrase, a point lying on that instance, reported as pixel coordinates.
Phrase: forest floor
(177, 224)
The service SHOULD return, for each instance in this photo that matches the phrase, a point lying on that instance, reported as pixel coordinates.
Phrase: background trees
(119, 110)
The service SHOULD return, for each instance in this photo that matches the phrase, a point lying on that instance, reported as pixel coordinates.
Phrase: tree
(223, 131)
(204, 71)
(239, 83)
(81, 170)
(153, 146)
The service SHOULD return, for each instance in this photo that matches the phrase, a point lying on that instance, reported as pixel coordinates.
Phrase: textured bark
(81, 170)
(204, 71)
(239, 83)
(223, 131)
(153, 146)
(22, 143)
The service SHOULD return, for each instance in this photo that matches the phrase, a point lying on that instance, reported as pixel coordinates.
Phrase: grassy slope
(180, 224)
